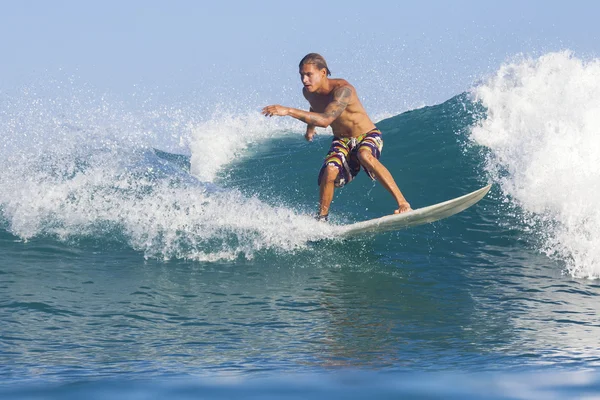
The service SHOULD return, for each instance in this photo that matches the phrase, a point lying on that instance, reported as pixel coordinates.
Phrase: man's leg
(333, 168)
(382, 174)
(326, 188)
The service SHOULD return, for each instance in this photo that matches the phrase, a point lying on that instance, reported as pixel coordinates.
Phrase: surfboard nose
(416, 217)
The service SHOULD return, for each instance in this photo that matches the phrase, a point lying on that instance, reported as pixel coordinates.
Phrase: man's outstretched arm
(341, 98)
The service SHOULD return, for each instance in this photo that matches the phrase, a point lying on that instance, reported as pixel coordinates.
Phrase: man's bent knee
(366, 157)
(330, 174)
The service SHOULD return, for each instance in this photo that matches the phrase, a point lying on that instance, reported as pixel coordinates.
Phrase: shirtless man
(357, 142)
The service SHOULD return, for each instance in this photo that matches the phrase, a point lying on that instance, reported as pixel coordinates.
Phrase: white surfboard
(416, 217)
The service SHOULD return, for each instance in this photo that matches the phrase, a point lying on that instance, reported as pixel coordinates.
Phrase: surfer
(357, 141)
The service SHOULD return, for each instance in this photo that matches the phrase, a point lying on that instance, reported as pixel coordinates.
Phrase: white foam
(89, 170)
(157, 218)
(224, 138)
(542, 131)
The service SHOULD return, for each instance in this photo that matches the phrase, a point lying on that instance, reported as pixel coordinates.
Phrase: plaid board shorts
(343, 154)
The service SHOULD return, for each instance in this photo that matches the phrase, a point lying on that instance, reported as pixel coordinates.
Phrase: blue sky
(398, 54)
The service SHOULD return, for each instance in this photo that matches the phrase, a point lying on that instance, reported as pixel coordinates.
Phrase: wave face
(248, 184)
(541, 130)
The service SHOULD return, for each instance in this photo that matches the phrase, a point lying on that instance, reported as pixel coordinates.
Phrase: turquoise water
(130, 266)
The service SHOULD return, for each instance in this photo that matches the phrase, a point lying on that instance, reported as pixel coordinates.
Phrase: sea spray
(80, 166)
(542, 129)
(225, 137)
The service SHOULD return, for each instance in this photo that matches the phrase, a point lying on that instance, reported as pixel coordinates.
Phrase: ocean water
(158, 253)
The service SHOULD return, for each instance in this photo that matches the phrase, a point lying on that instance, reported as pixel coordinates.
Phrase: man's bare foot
(403, 207)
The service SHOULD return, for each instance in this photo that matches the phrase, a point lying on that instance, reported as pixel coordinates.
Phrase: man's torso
(353, 121)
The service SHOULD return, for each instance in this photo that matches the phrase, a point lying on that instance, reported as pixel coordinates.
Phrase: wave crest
(542, 132)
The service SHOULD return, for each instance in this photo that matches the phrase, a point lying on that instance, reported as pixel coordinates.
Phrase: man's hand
(281, 111)
(310, 132)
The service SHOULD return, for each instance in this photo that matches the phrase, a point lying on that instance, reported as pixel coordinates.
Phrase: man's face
(312, 77)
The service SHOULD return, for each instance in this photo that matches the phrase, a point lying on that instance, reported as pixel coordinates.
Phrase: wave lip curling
(542, 129)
